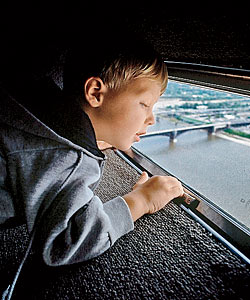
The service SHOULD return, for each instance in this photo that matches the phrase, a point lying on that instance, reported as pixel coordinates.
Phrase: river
(217, 166)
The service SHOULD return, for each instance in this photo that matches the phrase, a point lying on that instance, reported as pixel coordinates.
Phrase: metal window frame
(221, 78)
(234, 235)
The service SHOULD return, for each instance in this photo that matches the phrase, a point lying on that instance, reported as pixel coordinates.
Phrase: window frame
(235, 236)
(222, 78)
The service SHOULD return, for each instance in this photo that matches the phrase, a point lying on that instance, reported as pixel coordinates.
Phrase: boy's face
(125, 114)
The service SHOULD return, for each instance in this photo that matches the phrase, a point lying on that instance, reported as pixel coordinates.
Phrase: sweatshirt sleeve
(6, 202)
(78, 226)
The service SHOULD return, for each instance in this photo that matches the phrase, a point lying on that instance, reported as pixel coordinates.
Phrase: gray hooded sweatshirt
(48, 181)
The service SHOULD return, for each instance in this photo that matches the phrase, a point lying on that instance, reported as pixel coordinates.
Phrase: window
(202, 136)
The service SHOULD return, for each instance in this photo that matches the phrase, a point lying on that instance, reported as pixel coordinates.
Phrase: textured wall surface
(167, 256)
(212, 39)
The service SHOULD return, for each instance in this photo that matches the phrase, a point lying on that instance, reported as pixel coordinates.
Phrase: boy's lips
(141, 133)
(137, 136)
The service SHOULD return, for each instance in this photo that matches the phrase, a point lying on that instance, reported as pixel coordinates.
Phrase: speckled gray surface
(167, 256)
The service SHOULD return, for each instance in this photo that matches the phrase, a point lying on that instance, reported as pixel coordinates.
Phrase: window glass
(202, 136)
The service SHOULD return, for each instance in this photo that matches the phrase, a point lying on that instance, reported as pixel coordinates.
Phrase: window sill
(234, 235)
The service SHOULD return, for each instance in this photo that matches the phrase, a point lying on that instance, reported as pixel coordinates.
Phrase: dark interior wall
(205, 39)
(220, 40)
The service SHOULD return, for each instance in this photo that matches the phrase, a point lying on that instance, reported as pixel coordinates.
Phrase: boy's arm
(6, 204)
(77, 226)
(71, 232)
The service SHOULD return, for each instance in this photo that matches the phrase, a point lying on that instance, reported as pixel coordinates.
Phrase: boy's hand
(151, 195)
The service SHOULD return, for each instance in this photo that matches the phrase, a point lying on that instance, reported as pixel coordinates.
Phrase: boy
(50, 164)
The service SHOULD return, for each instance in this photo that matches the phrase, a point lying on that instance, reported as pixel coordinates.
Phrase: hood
(66, 123)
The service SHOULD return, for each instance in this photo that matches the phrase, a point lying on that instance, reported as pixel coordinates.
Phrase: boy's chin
(103, 145)
(124, 147)
(127, 147)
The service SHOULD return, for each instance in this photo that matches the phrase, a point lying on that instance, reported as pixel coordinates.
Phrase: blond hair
(118, 73)
(115, 60)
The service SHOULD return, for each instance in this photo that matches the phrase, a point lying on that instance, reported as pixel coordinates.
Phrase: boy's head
(115, 59)
(117, 82)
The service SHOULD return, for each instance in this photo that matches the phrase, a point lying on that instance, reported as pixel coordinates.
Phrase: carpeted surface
(167, 256)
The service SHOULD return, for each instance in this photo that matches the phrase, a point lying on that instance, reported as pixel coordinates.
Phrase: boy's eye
(144, 105)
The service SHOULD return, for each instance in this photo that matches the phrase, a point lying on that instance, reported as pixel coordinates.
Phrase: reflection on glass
(210, 150)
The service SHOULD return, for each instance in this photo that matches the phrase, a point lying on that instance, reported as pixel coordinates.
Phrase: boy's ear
(94, 90)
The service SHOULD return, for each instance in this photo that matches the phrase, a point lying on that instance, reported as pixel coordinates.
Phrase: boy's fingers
(143, 178)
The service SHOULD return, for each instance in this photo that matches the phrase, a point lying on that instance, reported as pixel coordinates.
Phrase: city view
(217, 164)
(189, 104)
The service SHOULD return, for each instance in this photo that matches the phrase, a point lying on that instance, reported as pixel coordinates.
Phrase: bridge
(211, 128)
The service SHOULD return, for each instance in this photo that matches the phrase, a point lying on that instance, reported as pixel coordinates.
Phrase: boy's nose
(150, 120)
